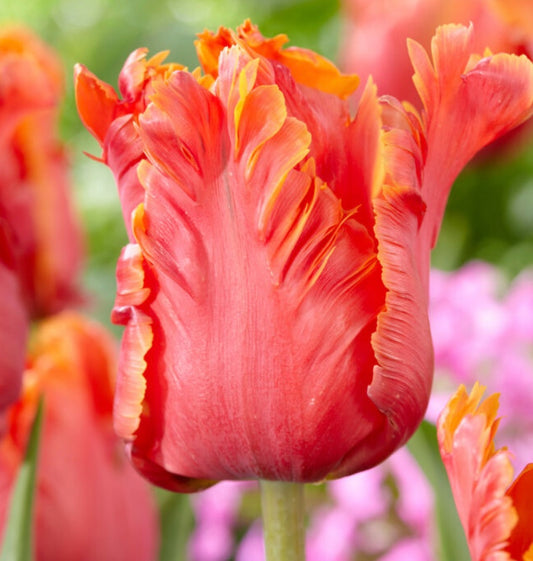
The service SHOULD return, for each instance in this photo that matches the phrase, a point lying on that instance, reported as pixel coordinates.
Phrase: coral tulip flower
(375, 33)
(495, 511)
(274, 292)
(90, 503)
(35, 200)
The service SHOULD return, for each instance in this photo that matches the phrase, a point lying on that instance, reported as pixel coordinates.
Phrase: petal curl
(468, 103)
(494, 510)
(307, 67)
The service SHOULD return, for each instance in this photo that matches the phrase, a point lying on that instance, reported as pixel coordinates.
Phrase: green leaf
(451, 540)
(18, 537)
(177, 523)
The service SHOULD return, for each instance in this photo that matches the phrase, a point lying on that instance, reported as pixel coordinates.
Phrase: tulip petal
(96, 102)
(189, 141)
(307, 67)
(269, 242)
(479, 475)
(131, 385)
(468, 103)
(521, 493)
(401, 381)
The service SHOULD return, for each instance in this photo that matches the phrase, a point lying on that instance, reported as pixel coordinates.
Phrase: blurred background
(489, 215)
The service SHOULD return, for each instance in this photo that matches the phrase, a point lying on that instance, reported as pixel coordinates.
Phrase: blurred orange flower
(495, 512)
(90, 504)
(275, 288)
(36, 212)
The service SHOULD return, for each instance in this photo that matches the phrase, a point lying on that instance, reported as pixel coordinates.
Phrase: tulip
(275, 287)
(44, 235)
(375, 33)
(495, 511)
(90, 504)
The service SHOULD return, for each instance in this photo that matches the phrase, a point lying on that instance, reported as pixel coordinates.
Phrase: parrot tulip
(275, 287)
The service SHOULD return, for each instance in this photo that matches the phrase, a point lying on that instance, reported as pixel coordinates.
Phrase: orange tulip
(495, 511)
(34, 185)
(275, 288)
(90, 504)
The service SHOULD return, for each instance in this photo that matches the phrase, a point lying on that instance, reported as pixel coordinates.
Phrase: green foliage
(177, 522)
(17, 542)
(451, 541)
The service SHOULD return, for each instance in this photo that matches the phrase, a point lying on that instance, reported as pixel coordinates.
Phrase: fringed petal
(137, 340)
(468, 102)
(402, 343)
(307, 67)
(182, 131)
(490, 509)
(96, 102)
(123, 151)
(366, 160)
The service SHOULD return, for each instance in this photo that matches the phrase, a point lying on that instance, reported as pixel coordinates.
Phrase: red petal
(402, 379)
(182, 132)
(96, 102)
(467, 106)
(521, 493)
(479, 475)
(131, 385)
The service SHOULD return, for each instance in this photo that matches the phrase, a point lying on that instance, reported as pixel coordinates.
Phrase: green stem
(282, 504)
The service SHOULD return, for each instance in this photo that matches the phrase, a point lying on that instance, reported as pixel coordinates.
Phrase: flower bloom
(35, 208)
(275, 288)
(89, 502)
(375, 34)
(495, 511)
